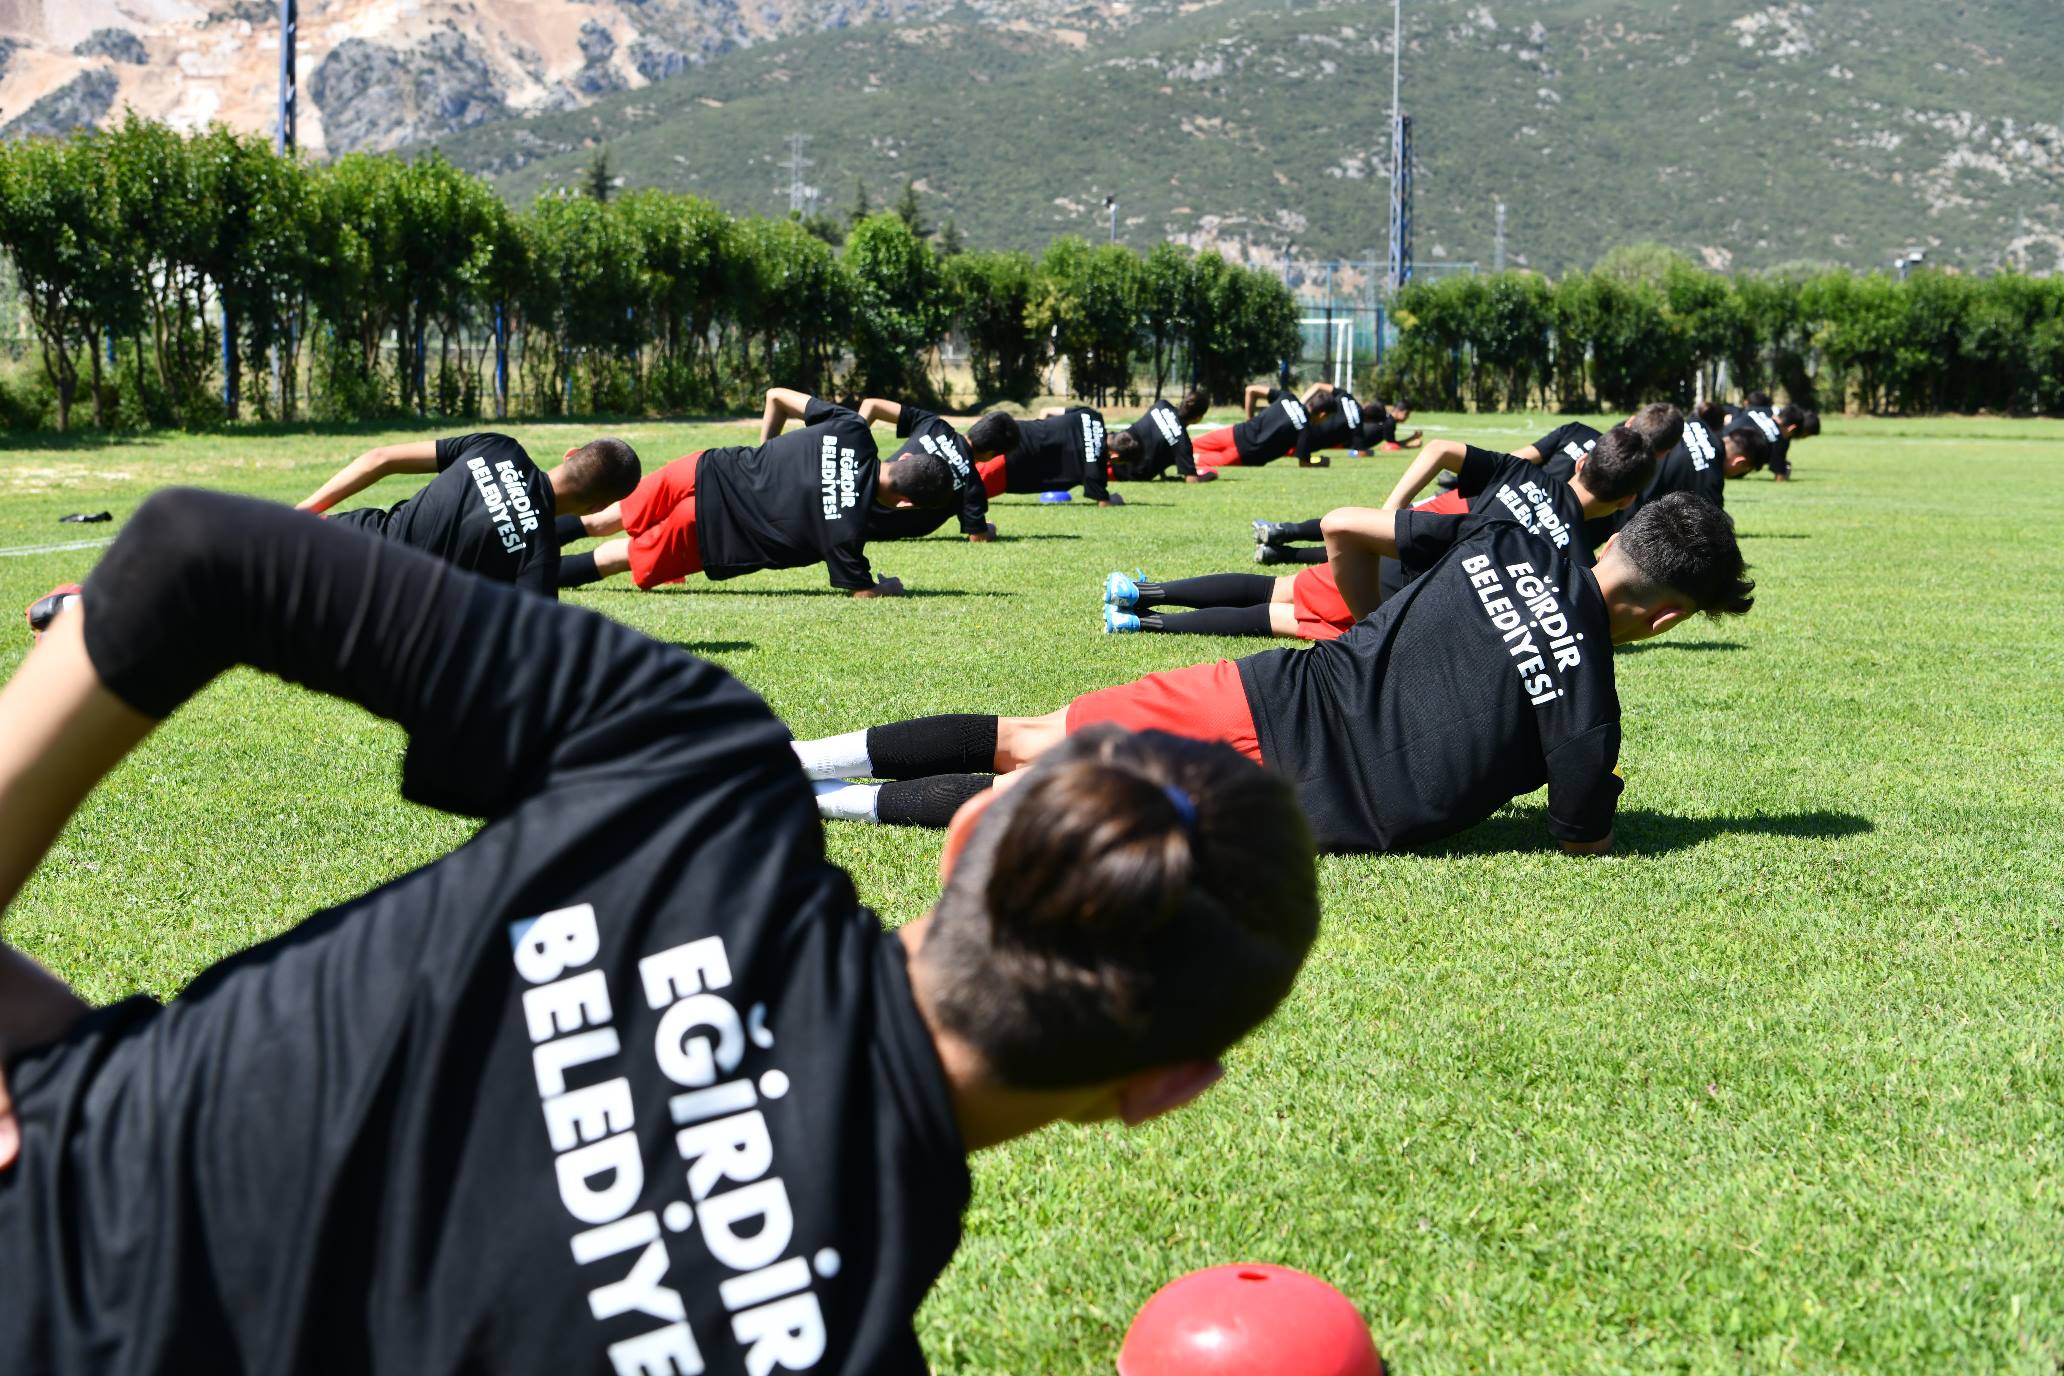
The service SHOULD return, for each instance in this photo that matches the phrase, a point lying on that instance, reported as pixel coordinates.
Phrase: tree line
(171, 279)
(1646, 324)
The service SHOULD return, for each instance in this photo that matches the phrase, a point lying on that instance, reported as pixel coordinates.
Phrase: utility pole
(801, 194)
(1400, 158)
(289, 23)
(1498, 249)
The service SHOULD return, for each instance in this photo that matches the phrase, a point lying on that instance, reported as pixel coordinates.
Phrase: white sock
(839, 801)
(835, 757)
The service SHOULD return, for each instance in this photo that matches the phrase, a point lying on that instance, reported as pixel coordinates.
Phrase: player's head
(1744, 451)
(1123, 447)
(1799, 423)
(1756, 401)
(1399, 412)
(1712, 413)
(1616, 469)
(994, 434)
(1117, 919)
(1192, 407)
(916, 479)
(593, 476)
(1676, 556)
(1661, 424)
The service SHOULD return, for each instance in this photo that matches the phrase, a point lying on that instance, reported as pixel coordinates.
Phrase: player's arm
(1253, 399)
(1531, 453)
(417, 456)
(1053, 412)
(874, 409)
(1307, 456)
(1584, 790)
(783, 405)
(1413, 440)
(1358, 539)
(1317, 390)
(1437, 455)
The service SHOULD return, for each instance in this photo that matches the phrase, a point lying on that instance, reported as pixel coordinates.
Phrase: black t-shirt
(1759, 421)
(1501, 488)
(801, 498)
(923, 432)
(489, 510)
(1481, 681)
(1349, 425)
(1696, 465)
(1164, 441)
(632, 1073)
(1059, 453)
(1278, 429)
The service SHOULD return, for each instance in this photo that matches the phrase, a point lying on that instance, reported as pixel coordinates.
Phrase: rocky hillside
(1748, 134)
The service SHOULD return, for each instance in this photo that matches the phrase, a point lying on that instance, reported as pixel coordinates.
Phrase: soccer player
(1065, 448)
(1703, 461)
(1278, 424)
(799, 499)
(1479, 682)
(489, 510)
(1361, 430)
(1162, 437)
(925, 435)
(1778, 427)
(631, 1081)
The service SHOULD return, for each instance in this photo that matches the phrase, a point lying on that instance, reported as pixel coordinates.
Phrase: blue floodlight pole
(289, 23)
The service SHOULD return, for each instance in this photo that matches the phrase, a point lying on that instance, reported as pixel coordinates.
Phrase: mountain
(1745, 134)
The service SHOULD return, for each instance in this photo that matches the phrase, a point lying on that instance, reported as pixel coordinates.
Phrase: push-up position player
(1479, 682)
(925, 434)
(489, 510)
(630, 1081)
(1163, 439)
(1065, 448)
(799, 499)
(1278, 425)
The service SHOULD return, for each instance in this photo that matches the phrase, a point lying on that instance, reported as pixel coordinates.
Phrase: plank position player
(631, 1081)
(1163, 438)
(925, 434)
(1485, 678)
(800, 499)
(489, 510)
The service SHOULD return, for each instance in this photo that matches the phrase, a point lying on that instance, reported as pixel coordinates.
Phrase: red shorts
(1449, 503)
(991, 472)
(1215, 448)
(1322, 614)
(659, 516)
(1205, 702)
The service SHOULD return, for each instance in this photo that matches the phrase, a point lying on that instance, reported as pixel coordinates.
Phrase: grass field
(1778, 1087)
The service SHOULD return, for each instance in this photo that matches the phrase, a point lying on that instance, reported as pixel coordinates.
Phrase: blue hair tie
(1185, 808)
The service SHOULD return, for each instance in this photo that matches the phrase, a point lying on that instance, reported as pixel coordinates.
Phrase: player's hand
(1209, 475)
(983, 536)
(1113, 500)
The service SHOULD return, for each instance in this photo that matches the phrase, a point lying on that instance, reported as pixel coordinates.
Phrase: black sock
(569, 529)
(578, 570)
(1212, 590)
(928, 802)
(953, 743)
(1211, 621)
(1316, 555)
(1288, 531)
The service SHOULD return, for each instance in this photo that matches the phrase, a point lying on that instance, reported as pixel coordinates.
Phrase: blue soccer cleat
(1123, 592)
(1119, 623)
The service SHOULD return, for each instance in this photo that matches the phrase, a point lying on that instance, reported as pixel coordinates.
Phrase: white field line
(54, 549)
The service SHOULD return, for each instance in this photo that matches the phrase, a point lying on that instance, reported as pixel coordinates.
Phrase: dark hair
(924, 479)
(1749, 442)
(995, 433)
(1137, 902)
(1619, 465)
(1756, 401)
(600, 472)
(1192, 407)
(1806, 422)
(1124, 447)
(1712, 414)
(1684, 543)
(1660, 423)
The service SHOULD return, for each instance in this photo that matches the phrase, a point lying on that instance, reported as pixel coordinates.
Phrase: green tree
(1089, 302)
(994, 298)
(59, 225)
(688, 249)
(794, 297)
(1167, 284)
(1243, 324)
(597, 182)
(910, 212)
(899, 307)
(173, 207)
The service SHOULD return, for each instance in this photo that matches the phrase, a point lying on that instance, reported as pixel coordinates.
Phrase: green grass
(1776, 1088)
